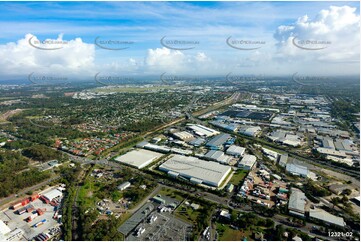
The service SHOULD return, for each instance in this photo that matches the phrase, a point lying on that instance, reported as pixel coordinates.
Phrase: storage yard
(36, 216)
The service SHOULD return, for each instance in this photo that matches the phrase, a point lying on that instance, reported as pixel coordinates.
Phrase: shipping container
(29, 209)
(40, 211)
(34, 197)
(39, 223)
(21, 210)
(31, 217)
(16, 206)
(25, 201)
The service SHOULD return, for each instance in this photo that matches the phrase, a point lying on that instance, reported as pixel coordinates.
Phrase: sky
(77, 40)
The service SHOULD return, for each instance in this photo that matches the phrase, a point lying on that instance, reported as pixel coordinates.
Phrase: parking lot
(156, 221)
(165, 227)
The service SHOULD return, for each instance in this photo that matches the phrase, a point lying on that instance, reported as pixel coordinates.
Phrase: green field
(187, 213)
(170, 193)
(226, 233)
(238, 176)
(86, 195)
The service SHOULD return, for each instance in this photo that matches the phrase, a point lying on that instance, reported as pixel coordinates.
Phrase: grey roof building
(297, 170)
(326, 217)
(297, 202)
(218, 140)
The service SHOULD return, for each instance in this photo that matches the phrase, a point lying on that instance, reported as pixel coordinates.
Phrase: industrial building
(197, 142)
(247, 162)
(282, 160)
(196, 170)
(201, 130)
(297, 170)
(139, 158)
(52, 194)
(332, 152)
(218, 141)
(219, 156)
(6, 234)
(123, 186)
(250, 130)
(184, 135)
(236, 151)
(297, 202)
(283, 137)
(326, 217)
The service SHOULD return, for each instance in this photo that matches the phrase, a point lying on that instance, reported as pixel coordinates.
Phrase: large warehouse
(139, 158)
(196, 170)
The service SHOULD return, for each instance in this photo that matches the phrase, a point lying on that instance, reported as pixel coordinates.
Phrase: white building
(52, 194)
(297, 203)
(326, 217)
(196, 170)
(250, 130)
(297, 170)
(247, 162)
(124, 186)
(201, 130)
(139, 158)
(235, 150)
(184, 135)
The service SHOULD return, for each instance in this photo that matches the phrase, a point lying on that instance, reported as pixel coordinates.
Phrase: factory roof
(297, 169)
(4, 229)
(327, 217)
(250, 130)
(139, 158)
(209, 172)
(124, 185)
(297, 201)
(218, 156)
(248, 160)
(283, 160)
(234, 149)
(52, 194)
(328, 143)
(197, 142)
(183, 135)
(219, 140)
(331, 152)
(202, 130)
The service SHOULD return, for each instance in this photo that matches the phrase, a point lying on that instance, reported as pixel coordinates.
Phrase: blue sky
(207, 23)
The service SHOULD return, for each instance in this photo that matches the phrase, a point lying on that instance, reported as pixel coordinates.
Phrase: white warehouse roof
(297, 201)
(248, 160)
(327, 217)
(139, 158)
(236, 150)
(52, 194)
(203, 130)
(210, 173)
(4, 229)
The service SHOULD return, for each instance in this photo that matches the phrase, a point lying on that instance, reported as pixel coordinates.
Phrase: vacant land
(238, 177)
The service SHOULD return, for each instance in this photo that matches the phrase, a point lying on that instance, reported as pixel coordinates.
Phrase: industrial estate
(211, 158)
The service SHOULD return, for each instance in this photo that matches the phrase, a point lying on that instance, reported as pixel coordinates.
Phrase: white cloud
(21, 58)
(164, 59)
(339, 26)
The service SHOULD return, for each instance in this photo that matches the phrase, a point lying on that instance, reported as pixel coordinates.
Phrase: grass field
(170, 193)
(187, 213)
(226, 233)
(86, 193)
(238, 176)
